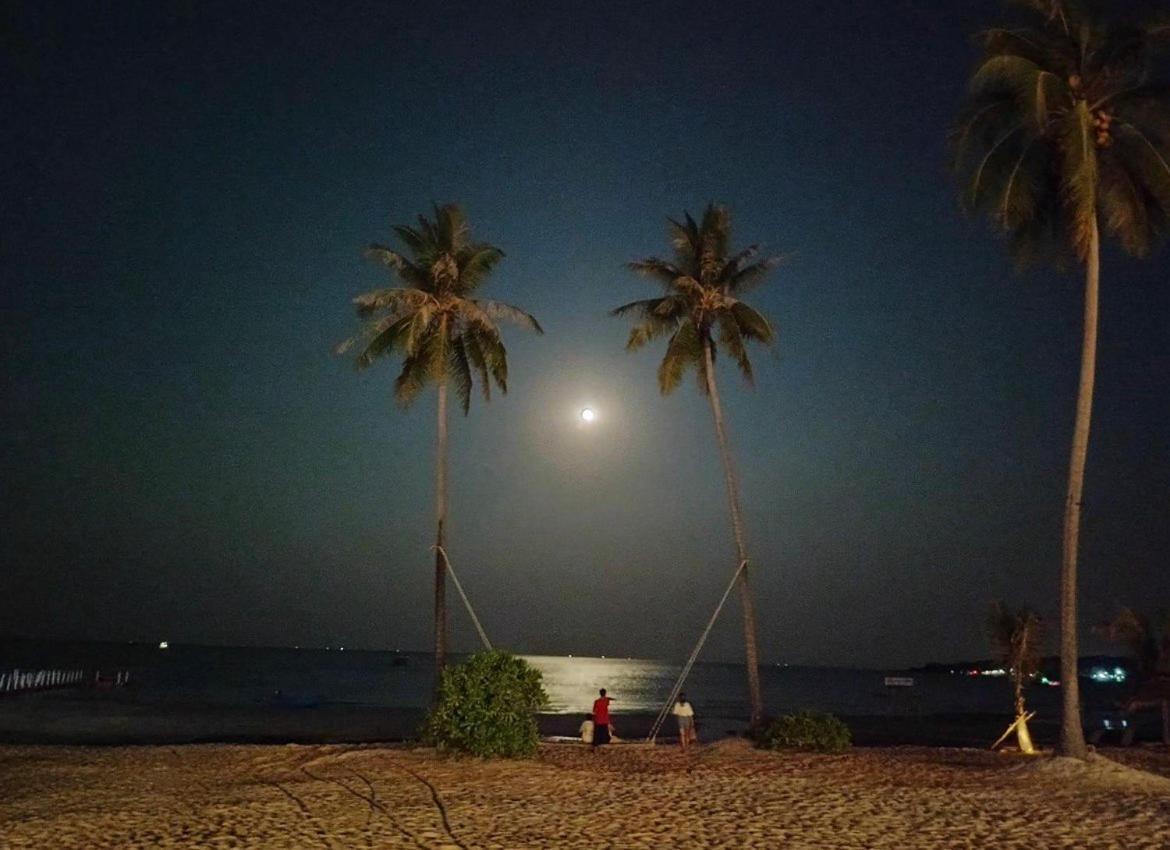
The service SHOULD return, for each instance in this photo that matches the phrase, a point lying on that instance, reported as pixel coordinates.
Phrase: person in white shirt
(686, 721)
(587, 730)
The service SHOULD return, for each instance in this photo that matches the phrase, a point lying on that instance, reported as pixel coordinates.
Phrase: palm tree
(1065, 133)
(1018, 638)
(443, 336)
(1148, 642)
(701, 312)
(1140, 635)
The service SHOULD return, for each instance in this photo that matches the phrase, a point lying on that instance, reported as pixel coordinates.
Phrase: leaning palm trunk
(1072, 736)
(441, 521)
(1023, 736)
(751, 656)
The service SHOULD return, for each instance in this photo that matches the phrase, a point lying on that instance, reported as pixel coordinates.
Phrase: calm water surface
(234, 676)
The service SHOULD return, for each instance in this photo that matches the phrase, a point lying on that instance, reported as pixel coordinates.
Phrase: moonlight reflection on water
(636, 684)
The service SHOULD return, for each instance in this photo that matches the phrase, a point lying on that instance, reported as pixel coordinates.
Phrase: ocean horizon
(232, 676)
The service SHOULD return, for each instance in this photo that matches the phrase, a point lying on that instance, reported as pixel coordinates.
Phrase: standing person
(686, 721)
(601, 719)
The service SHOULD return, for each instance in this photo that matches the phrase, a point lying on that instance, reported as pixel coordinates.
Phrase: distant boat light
(162, 644)
(588, 414)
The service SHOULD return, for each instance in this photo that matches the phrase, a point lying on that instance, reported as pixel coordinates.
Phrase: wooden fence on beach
(21, 681)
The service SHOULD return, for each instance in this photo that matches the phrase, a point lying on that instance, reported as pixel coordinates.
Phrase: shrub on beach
(486, 707)
(806, 730)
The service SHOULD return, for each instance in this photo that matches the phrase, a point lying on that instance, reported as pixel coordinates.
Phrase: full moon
(588, 414)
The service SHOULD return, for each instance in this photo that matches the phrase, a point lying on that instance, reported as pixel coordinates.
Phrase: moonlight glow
(588, 414)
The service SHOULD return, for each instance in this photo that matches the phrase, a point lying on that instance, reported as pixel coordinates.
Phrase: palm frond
(1017, 637)
(983, 120)
(495, 357)
(450, 228)
(475, 355)
(506, 312)
(1120, 53)
(1001, 627)
(685, 240)
(667, 307)
(1152, 158)
(684, 351)
(386, 256)
(410, 381)
(732, 341)
(752, 324)
(471, 317)
(1158, 27)
(408, 270)
(1019, 194)
(1063, 16)
(736, 261)
(1025, 43)
(386, 336)
(475, 263)
(459, 370)
(1146, 169)
(1146, 103)
(1126, 208)
(981, 188)
(425, 361)
(1136, 632)
(748, 277)
(413, 239)
(1043, 239)
(714, 236)
(689, 288)
(1004, 72)
(393, 300)
(660, 270)
(648, 330)
(1079, 176)
(430, 234)
(423, 323)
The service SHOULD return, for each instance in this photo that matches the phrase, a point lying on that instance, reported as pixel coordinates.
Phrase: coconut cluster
(1102, 121)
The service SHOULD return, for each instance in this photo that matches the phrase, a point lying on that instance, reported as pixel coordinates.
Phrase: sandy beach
(60, 719)
(724, 795)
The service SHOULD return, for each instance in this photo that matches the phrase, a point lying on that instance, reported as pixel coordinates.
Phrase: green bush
(806, 730)
(486, 707)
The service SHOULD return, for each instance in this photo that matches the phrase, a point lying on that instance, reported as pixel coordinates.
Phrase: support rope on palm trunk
(466, 602)
(686, 671)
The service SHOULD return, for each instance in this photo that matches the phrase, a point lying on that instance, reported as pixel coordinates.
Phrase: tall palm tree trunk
(751, 655)
(441, 521)
(1072, 735)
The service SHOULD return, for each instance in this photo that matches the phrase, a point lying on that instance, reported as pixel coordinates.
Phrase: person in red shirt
(601, 719)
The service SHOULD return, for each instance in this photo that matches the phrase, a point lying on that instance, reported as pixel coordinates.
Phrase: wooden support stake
(1023, 718)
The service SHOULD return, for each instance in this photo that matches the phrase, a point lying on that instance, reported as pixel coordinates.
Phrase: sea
(249, 677)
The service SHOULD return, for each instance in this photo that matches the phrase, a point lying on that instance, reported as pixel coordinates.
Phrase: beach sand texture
(725, 795)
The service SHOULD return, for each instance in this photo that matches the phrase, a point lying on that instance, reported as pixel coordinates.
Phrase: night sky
(185, 192)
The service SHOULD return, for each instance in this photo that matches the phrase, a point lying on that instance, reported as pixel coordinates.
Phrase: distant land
(1049, 666)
